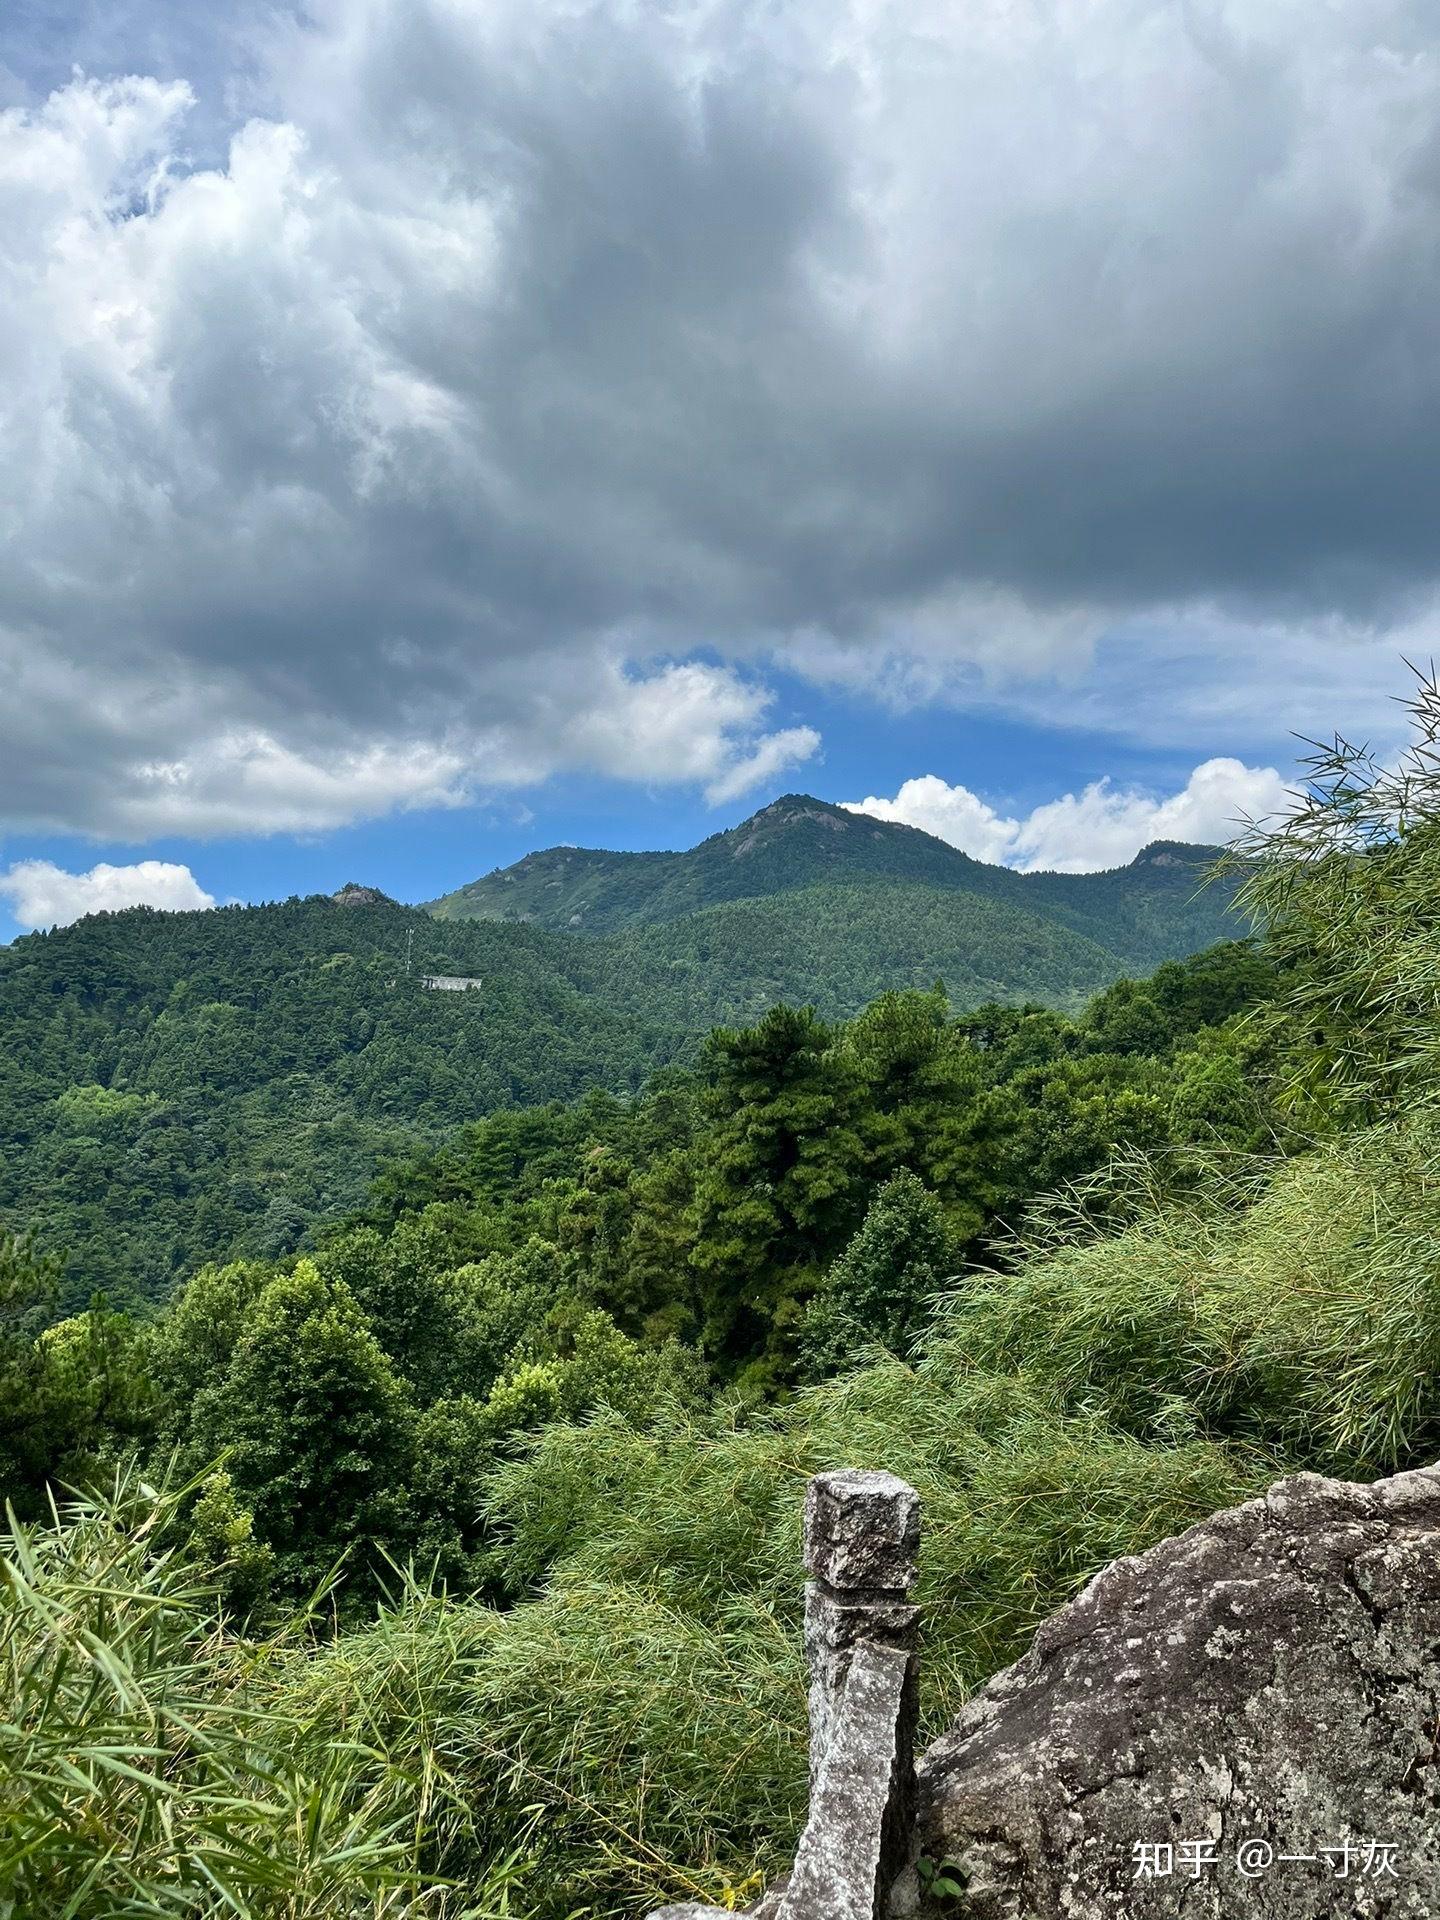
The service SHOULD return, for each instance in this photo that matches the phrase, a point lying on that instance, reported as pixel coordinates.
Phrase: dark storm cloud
(514, 352)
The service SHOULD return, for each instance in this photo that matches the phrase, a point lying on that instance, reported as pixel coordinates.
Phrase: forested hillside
(175, 1087)
(1080, 1280)
(751, 1221)
(1155, 909)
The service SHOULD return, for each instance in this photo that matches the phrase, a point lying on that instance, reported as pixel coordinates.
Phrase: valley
(183, 1086)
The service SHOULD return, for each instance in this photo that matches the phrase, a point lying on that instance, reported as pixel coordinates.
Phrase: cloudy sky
(434, 428)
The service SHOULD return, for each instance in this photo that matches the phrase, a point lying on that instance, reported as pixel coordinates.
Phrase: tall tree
(792, 1139)
(879, 1290)
(315, 1426)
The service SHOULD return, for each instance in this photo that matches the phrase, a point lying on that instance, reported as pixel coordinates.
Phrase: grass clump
(1293, 1306)
(146, 1765)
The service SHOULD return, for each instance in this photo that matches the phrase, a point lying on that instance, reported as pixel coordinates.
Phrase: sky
(433, 429)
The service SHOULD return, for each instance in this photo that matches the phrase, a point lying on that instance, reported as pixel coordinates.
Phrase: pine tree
(785, 1161)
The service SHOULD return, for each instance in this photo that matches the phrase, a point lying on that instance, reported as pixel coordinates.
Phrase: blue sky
(434, 429)
(416, 856)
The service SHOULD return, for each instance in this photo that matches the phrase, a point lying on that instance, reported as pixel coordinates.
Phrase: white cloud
(515, 362)
(690, 721)
(44, 895)
(251, 784)
(1103, 826)
(777, 753)
(953, 814)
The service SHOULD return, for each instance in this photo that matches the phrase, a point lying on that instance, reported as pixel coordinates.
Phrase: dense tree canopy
(795, 1198)
(181, 1087)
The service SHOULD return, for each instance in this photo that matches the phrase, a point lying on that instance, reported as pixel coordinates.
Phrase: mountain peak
(784, 815)
(1175, 853)
(798, 842)
(798, 803)
(353, 894)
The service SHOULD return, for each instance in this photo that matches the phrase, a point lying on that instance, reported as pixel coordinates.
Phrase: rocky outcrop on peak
(352, 894)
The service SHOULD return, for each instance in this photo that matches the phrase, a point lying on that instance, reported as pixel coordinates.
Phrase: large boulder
(1266, 1685)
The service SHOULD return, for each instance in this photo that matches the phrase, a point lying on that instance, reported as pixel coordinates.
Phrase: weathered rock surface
(1266, 1684)
(862, 1539)
(862, 1542)
(855, 1838)
(862, 1531)
(352, 894)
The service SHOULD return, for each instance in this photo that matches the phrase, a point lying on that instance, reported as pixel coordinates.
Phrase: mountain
(1155, 908)
(183, 1086)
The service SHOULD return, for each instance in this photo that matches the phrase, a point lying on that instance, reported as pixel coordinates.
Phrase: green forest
(1138, 911)
(178, 1087)
(441, 1556)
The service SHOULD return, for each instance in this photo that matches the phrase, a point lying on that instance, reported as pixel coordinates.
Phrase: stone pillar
(862, 1543)
(862, 1540)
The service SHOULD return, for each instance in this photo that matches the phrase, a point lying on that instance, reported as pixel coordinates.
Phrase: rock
(352, 894)
(848, 1854)
(862, 1531)
(768, 1905)
(1266, 1684)
(862, 1538)
(862, 1544)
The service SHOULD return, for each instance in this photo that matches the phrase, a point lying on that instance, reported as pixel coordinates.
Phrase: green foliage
(880, 1289)
(1348, 888)
(149, 1765)
(222, 1534)
(190, 1086)
(314, 1424)
(941, 1879)
(191, 1345)
(589, 1697)
(711, 1213)
(636, 1732)
(183, 1087)
(670, 1557)
(1293, 1304)
(800, 844)
(487, 1309)
(73, 1395)
(782, 1176)
(29, 1282)
(1223, 1089)
(613, 1253)
(838, 945)
(359, 1400)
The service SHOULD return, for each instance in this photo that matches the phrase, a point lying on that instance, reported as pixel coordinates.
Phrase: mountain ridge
(225, 1076)
(794, 842)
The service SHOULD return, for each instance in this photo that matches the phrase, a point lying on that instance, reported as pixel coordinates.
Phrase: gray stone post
(862, 1541)
(862, 1544)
